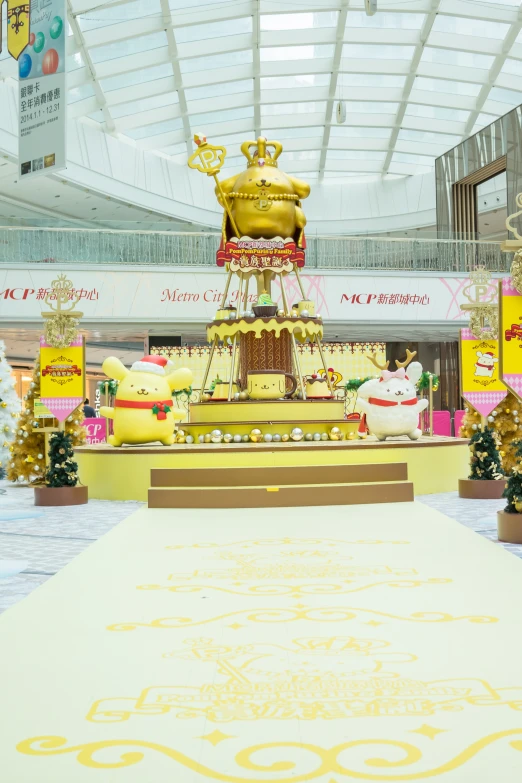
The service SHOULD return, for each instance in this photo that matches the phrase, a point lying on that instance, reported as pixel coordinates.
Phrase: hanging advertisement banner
(18, 28)
(43, 99)
(62, 377)
(480, 382)
(510, 330)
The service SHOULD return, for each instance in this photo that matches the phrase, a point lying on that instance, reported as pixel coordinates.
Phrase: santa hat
(159, 365)
(488, 353)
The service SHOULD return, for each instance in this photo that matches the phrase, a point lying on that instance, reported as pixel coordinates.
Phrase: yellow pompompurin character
(143, 411)
(264, 201)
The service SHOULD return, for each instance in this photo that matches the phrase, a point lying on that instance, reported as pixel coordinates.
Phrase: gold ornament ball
(181, 440)
(363, 435)
(324, 436)
(255, 433)
(208, 438)
(297, 434)
(285, 438)
(227, 437)
(243, 396)
(216, 436)
(180, 434)
(205, 397)
(351, 436)
(245, 438)
(281, 313)
(335, 433)
(518, 506)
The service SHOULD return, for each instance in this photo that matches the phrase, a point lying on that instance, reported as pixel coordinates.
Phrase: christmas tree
(62, 470)
(486, 463)
(506, 423)
(9, 410)
(28, 448)
(513, 491)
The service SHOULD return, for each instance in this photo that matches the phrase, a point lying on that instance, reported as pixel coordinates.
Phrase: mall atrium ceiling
(415, 79)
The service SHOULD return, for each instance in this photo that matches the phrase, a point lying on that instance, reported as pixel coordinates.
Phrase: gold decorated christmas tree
(27, 460)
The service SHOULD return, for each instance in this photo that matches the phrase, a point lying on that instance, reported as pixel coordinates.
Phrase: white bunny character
(389, 403)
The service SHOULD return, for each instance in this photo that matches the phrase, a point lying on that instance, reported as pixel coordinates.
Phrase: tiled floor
(48, 538)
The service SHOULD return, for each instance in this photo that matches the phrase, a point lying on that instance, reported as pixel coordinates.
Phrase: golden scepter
(209, 159)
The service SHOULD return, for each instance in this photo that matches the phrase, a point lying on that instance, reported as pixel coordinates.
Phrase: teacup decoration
(269, 384)
(306, 308)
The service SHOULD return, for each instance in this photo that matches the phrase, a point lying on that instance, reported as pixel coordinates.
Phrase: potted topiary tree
(486, 479)
(61, 478)
(509, 521)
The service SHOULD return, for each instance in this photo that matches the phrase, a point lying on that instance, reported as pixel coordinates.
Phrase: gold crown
(261, 156)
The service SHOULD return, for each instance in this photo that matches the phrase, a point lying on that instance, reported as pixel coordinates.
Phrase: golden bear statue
(143, 410)
(264, 201)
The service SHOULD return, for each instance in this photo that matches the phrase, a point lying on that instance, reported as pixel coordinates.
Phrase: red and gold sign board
(251, 255)
(18, 26)
(480, 382)
(62, 377)
(510, 333)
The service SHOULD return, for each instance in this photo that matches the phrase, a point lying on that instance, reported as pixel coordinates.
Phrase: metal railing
(107, 246)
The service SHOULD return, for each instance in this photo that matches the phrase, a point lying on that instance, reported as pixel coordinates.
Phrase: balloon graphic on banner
(25, 64)
(481, 386)
(39, 42)
(56, 27)
(31, 39)
(50, 62)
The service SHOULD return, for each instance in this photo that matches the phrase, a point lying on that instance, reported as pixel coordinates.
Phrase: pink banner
(61, 407)
(96, 429)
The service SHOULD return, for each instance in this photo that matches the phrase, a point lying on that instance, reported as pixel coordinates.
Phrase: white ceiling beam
(256, 65)
(140, 91)
(151, 117)
(466, 43)
(441, 99)
(452, 73)
(380, 36)
(296, 67)
(218, 75)
(308, 36)
(371, 66)
(133, 62)
(123, 31)
(481, 10)
(212, 46)
(410, 79)
(84, 50)
(173, 51)
(338, 53)
(494, 71)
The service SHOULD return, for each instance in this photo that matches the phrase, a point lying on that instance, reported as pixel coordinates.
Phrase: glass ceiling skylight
(415, 78)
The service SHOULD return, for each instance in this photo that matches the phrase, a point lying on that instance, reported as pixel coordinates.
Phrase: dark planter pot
(509, 527)
(61, 496)
(481, 490)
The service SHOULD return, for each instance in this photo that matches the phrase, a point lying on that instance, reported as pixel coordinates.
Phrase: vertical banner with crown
(511, 336)
(18, 26)
(510, 301)
(62, 352)
(481, 385)
(480, 382)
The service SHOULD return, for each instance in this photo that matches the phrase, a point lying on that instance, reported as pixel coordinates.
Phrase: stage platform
(433, 464)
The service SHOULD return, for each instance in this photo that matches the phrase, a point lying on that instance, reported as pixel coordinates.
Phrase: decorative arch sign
(481, 385)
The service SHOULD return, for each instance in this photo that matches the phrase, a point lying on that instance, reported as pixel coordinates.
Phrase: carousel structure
(266, 395)
(265, 435)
